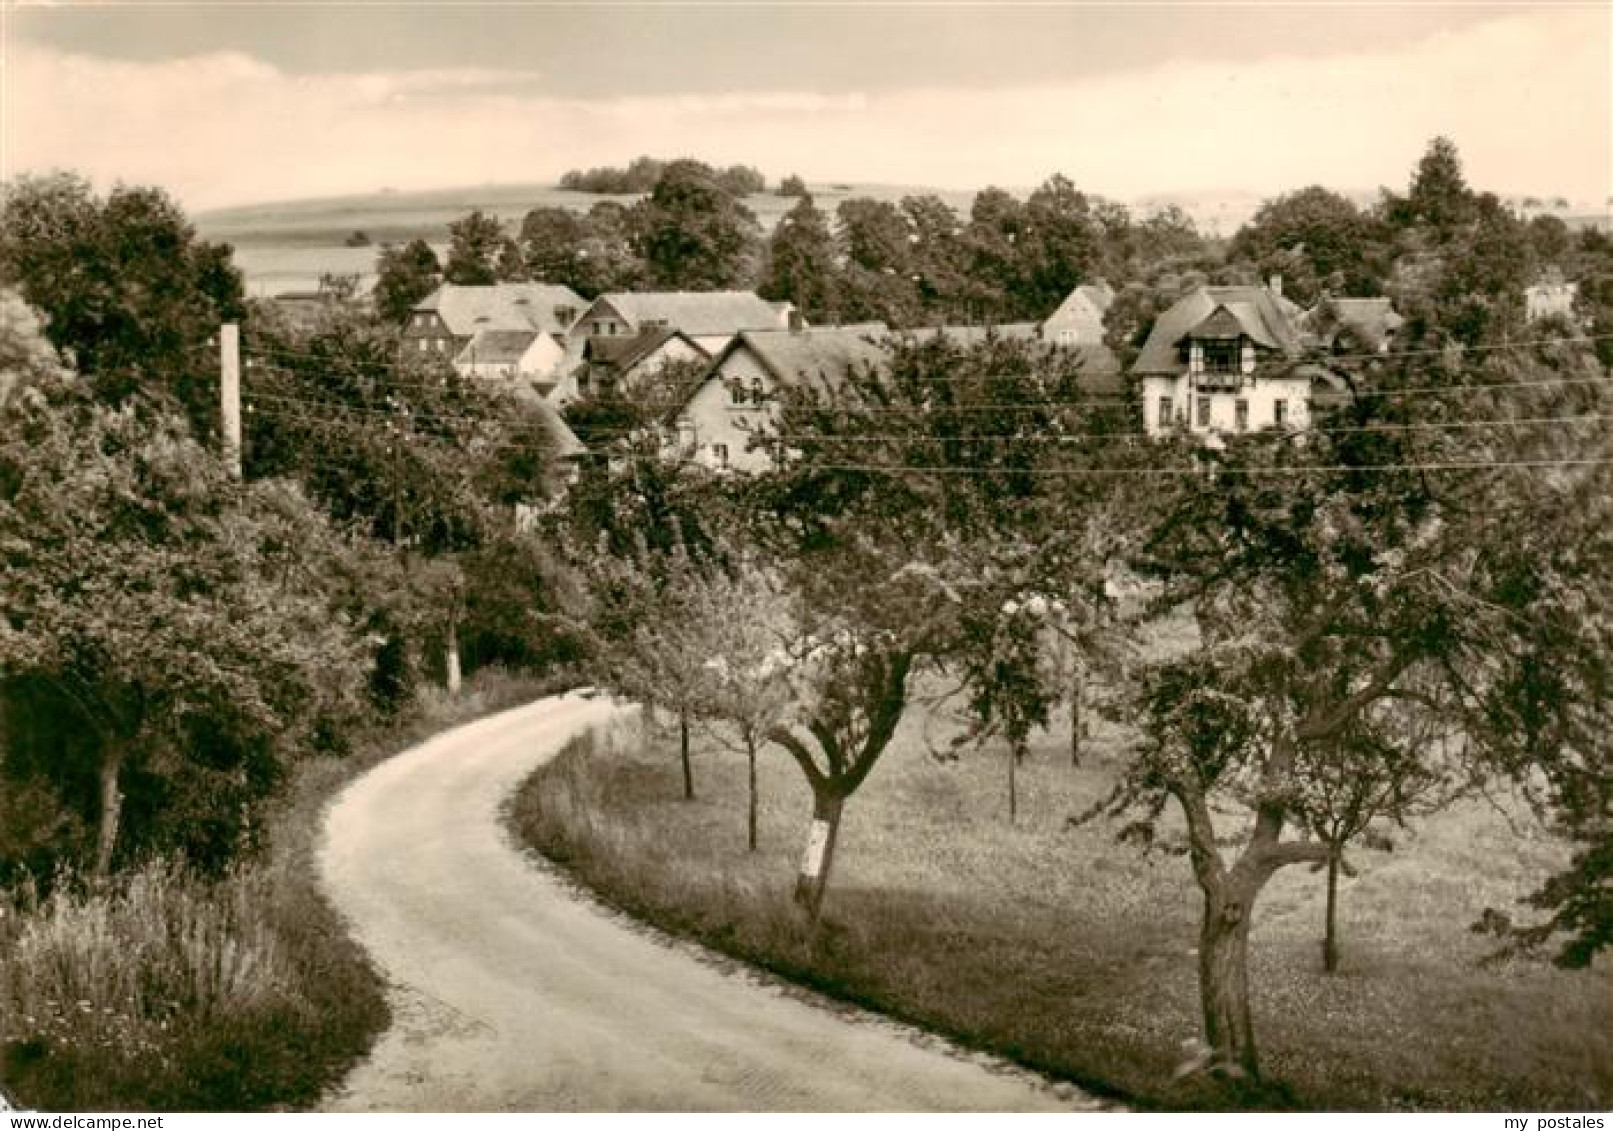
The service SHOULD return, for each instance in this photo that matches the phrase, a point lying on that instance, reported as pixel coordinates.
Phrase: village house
(736, 400)
(625, 365)
(504, 330)
(1079, 318)
(1354, 327)
(709, 318)
(1549, 296)
(1225, 360)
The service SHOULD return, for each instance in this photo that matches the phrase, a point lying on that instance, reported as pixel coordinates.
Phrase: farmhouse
(501, 330)
(1351, 326)
(1550, 295)
(1227, 360)
(734, 403)
(1079, 318)
(626, 364)
(709, 318)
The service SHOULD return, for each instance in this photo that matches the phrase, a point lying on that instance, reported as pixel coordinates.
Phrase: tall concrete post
(229, 368)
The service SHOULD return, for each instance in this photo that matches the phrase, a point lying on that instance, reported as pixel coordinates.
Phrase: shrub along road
(509, 992)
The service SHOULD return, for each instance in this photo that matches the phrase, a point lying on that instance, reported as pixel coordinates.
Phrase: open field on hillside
(1058, 946)
(287, 246)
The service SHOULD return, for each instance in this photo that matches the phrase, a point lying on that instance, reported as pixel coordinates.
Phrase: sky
(228, 102)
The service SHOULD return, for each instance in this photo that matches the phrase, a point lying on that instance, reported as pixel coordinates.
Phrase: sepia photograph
(683, 556)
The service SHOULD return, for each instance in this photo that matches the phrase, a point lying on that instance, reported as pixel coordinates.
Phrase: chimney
(1275, 283)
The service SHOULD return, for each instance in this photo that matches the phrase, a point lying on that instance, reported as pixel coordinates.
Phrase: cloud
(1526, 98)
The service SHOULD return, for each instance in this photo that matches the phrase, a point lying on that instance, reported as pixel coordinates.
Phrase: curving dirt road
(508, 993)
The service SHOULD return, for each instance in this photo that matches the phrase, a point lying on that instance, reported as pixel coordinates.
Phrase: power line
(1072, 437)
(1121, 472)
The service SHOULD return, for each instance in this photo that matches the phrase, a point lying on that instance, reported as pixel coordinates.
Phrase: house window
(598, 327)
(1279, 412)
(757, 393)
(1204, 412)
(425, 344)
(1165, 410)
(1222, 357)
(1240, 412)
(719, 453)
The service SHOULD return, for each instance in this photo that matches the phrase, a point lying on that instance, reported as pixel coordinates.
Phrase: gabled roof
(828, 353)
(560, 434)
(622, 353)
(698, 313)
(496, 347)
(1266, 317)
(1085, 301)
(503, 306)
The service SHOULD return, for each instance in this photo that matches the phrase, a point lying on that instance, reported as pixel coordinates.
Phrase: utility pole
(229, 370)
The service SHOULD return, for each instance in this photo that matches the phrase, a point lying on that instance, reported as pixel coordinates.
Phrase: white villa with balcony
(1225, 360)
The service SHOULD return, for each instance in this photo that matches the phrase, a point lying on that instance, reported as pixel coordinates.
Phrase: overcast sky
(235, 102)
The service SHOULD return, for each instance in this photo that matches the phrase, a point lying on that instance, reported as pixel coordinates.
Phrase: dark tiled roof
(622, 353)
(1264, 316)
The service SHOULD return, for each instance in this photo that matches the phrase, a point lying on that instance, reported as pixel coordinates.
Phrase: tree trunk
(750, 824)
(1330, 939)
(1224, 981)
(683, 753)
(818, 859)
(111, 811)
(451, 658)
(1013, 783)
(1077, 730)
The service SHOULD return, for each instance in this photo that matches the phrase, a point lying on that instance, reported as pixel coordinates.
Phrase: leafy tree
(947, 570)
(130, 296)
(413, 456)
(996, 250)
(693, 233)
(551, 242)
(474, 244)
(405, 275)
(1438, 197)
(742, 180)
(1350, 605)
(748, 662)
(792, 185)
(1062, 246)
(1168, 235)
(800, 263)
(1317, 241)
(511, 266)
(123, 547)
(639, 176)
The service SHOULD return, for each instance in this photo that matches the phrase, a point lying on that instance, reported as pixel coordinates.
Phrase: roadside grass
(1060, 948)
(167, 992)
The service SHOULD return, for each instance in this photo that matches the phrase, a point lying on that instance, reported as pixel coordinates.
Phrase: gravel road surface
(511, 992)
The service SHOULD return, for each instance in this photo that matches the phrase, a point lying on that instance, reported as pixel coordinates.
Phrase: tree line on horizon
(917, 261)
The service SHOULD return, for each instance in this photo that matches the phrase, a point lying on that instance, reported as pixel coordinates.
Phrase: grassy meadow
(1059, 947)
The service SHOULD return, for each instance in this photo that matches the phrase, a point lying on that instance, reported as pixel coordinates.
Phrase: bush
(106, 989)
